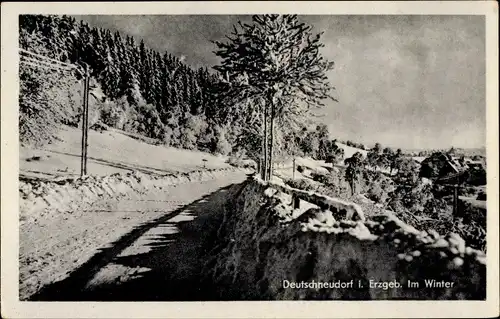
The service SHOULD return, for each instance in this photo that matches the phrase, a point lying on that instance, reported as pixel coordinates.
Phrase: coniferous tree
(130, 74)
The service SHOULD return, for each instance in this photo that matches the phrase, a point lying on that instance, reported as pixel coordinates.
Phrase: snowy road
(86, 255)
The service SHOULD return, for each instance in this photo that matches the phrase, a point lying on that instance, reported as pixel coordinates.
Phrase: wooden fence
(336, 206)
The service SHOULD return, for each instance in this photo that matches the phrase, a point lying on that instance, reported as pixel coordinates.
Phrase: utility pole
(87, 80)
(455, 200)
(40, 61)
(82, 164)
(85, 121)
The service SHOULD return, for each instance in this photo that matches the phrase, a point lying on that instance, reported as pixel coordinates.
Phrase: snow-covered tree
(274, 63)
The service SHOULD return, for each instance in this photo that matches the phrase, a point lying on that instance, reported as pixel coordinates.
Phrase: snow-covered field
(474, 202)
(349, 150)
(110, 152)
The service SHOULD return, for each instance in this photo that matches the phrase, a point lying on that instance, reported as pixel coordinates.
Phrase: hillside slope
(349, 150)
(109, 152)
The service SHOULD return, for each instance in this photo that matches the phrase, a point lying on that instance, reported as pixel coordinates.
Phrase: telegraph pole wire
(48, 59)
(40, 61)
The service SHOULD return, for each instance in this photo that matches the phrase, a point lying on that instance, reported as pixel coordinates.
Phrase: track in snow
(124, 250)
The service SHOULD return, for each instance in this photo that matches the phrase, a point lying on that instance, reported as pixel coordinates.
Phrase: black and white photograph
(252, 156)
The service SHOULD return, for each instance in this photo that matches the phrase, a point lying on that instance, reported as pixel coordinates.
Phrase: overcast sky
(403, 81)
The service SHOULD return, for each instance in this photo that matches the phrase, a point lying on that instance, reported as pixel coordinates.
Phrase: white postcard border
(11, 307)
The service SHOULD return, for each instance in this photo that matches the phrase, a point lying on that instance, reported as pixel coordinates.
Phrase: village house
(439, 165)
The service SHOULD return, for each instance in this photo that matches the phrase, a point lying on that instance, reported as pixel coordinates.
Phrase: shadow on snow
(175, 260)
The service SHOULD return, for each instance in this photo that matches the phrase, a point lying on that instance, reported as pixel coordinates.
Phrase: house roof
(453, 178)
(451, 162)
(474, 162)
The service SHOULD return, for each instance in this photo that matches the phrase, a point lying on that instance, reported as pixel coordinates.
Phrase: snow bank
(74, 193)
(265, 247)
(335, 205)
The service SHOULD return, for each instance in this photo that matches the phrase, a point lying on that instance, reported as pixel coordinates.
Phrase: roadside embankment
(44, 197)
(71, 229)
(269, 251)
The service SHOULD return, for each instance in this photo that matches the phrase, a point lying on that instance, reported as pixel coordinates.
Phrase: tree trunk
(271, 147)
(259, 165)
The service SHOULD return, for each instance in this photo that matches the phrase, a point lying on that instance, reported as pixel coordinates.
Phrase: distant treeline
(457, 152)
(146, 92)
